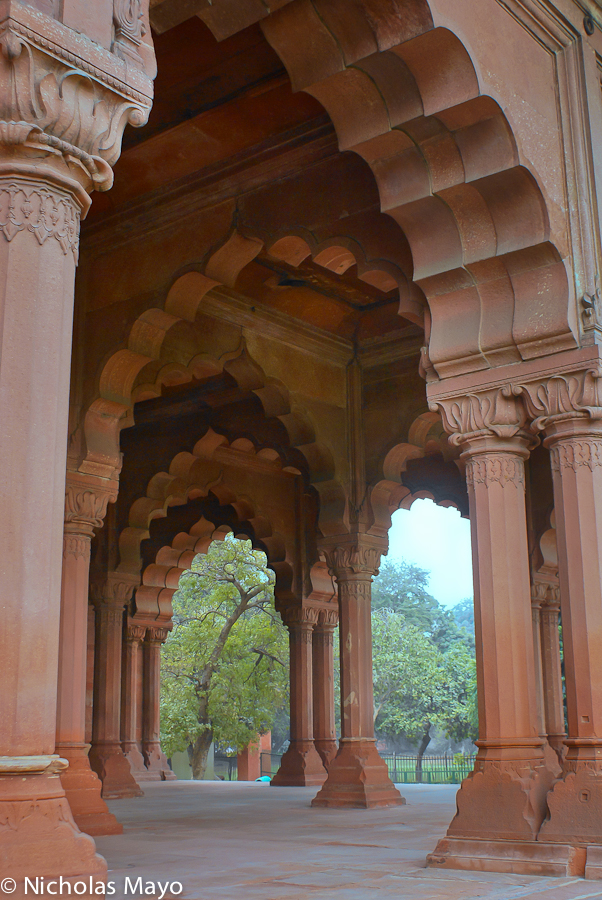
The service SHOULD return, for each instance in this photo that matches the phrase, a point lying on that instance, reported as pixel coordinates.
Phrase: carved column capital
(86, 500)
(64, 103)
(300, 618)
(113, 591)
(156, 635)
(135, 633)
(563, 398)
(328, 619)
(497, 412)
(354, 556)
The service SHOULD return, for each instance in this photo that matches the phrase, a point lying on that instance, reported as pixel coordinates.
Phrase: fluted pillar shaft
(156, 764)
(106, 755)
(552, 672)
(86, 502)
(301, 764)
(325, 738)
(130, 703)
(357, 776)
(575, 445)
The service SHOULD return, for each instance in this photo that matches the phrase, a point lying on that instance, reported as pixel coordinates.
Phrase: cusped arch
(426, 437)
(165, 348)
(405, 96)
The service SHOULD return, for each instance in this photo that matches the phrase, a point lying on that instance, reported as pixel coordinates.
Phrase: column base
(300, 766)
(113, 769)
(83, 790)
(38, 837)
(502, 800)
(327, 751)
(515, 857)
(156, 765)
(134, 756)
(574, 804)
(359, 778)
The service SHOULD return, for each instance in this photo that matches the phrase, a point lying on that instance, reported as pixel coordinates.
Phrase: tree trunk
(198, 753)
(426, 739)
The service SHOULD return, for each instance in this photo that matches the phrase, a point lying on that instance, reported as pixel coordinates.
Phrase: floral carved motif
(135, 632)
(58, 109)
(495, 468)
(576, 453)
(354, 558)
(562, 397)
(128, 17)
(495, 412)
(41, 212)
(86, 506)
(156, 635)
(77, 545)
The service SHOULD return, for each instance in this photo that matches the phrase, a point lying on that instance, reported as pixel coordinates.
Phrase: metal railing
(435, 769)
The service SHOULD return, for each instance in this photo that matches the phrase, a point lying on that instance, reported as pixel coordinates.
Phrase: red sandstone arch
(165, 348)
(193, 475)
(160, 580)
(426, 435)
(404, 95)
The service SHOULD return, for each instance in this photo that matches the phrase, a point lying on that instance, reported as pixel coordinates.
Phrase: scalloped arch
(426, 435)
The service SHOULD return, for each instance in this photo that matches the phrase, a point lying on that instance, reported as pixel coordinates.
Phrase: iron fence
(435, 769)
(448, 769)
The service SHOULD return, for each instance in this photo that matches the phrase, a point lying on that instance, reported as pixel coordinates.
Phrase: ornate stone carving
(61, 109)
(328, 618)
(495, 412)
(128, 18)
(40, 212)
(77, 545)
(562, 397)
(113, 591)
(577, 452)
(300, 618)
(156, 635)
(135, 632)
(495, 468)
(354, 557)
(86, 502)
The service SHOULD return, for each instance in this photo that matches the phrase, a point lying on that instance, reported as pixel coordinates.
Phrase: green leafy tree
(225, 664)
(403, 588)
(417, 686)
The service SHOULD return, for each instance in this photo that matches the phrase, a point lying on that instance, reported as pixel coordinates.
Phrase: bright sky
(436, 539)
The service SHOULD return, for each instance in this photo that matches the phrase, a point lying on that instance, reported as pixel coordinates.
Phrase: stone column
(301, 764)
(538, 597)
(156, 764)
(60, 131)
(503, 800)
(357, 776)
(325, 738)
(553, 698)
(575, 443)
(85, 507)
(131, 691)
(106, 756)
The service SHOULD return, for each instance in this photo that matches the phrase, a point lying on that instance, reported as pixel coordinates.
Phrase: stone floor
(247, 841)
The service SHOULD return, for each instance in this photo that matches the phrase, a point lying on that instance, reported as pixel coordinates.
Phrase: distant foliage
(225, 664)
(403, 588)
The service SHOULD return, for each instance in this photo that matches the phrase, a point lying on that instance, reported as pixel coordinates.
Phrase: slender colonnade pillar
(60, 132)
(85, 507)
(301, 765)
(154, 758)
(130, 704)
(106, 756)
(325, 738)
(575, 443)
(357, 776)
(504, 799)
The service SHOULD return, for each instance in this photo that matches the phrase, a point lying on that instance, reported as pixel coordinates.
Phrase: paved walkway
(247, 841)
